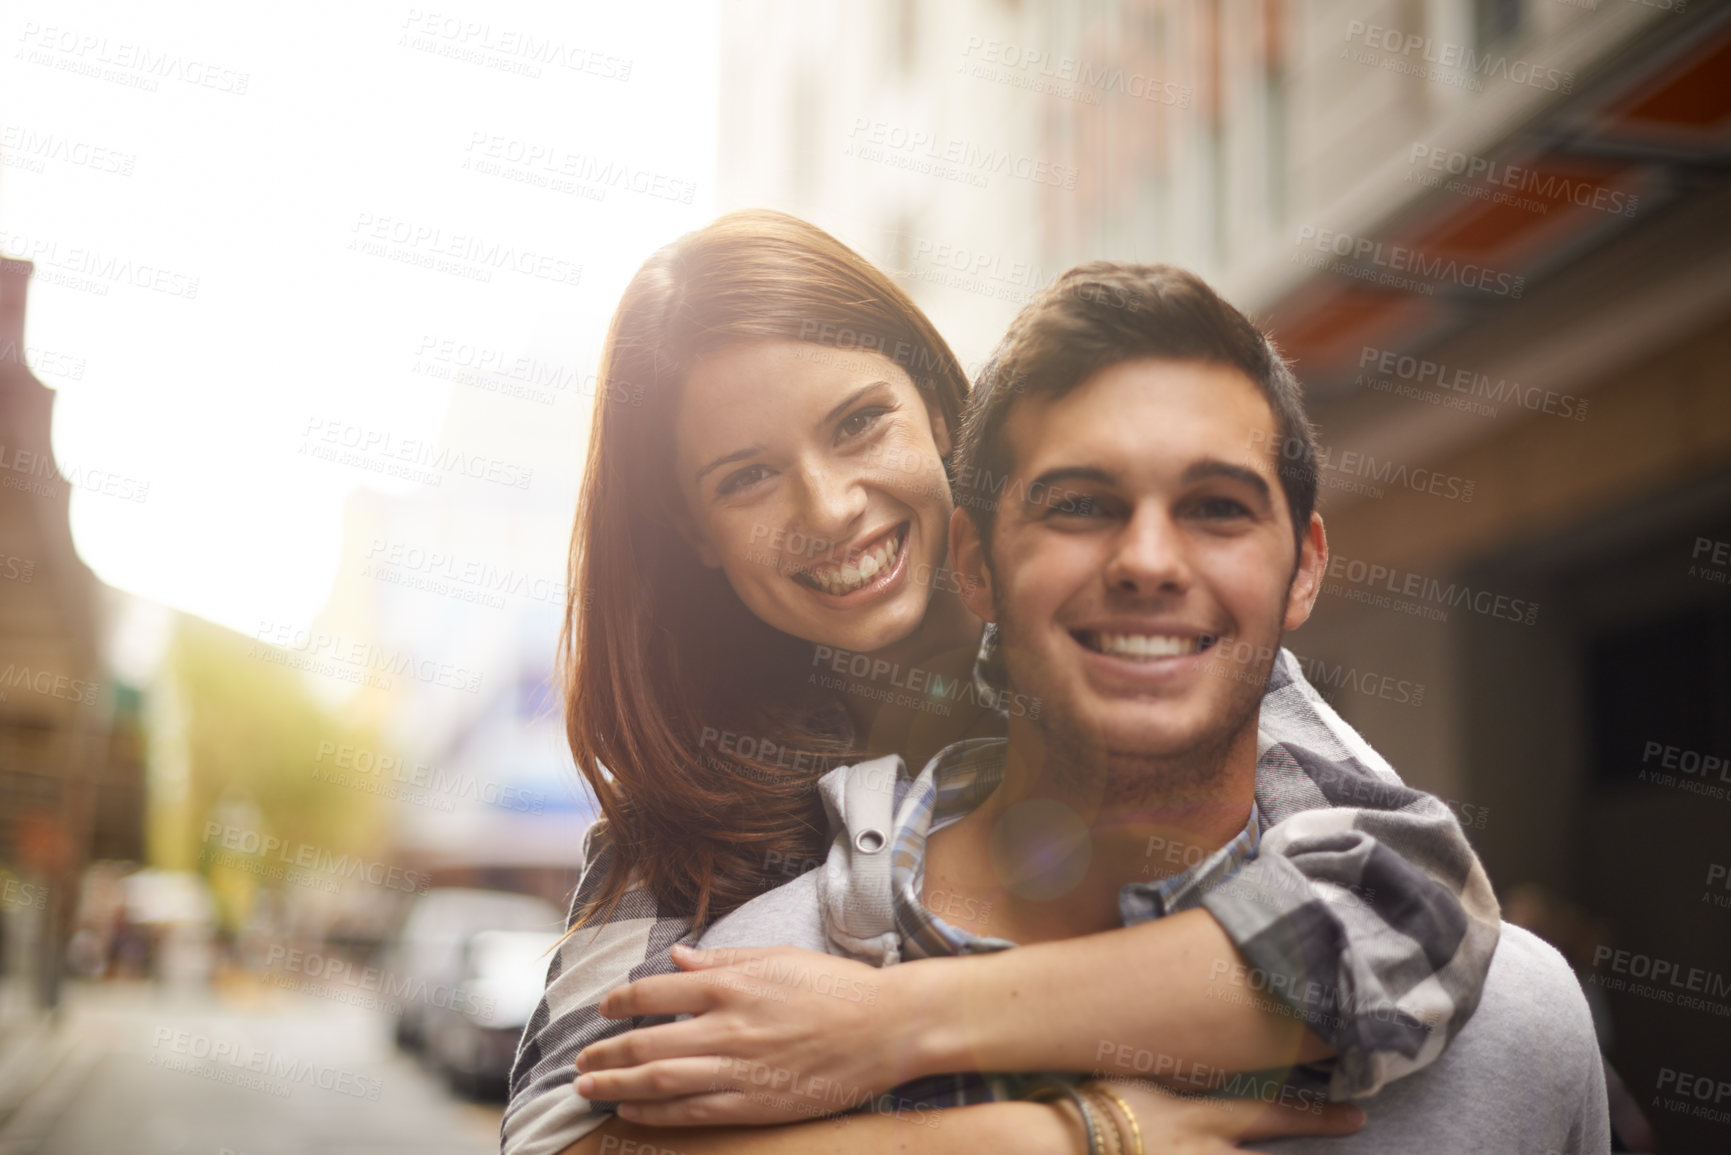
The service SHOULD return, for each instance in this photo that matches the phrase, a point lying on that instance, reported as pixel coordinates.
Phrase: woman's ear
(968, 560)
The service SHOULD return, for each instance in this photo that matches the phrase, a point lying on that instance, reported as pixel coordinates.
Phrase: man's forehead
(1147, 412)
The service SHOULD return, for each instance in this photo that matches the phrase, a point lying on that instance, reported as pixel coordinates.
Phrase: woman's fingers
(657, 1080)
(681, 994)
(711, 978)
(646, 1044)
(692, 958)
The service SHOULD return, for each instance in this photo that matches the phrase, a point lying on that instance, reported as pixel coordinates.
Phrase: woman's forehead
(789, 378)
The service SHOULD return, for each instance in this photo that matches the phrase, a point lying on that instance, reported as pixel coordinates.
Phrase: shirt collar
(955, 782)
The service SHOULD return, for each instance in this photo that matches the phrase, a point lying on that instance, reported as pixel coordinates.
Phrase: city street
(242, 1070)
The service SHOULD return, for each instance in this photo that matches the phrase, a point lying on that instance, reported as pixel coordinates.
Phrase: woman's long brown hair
(657, 654)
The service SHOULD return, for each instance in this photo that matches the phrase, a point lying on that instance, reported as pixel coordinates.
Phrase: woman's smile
(868, 572)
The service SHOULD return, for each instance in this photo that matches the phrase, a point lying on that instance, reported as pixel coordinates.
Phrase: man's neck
(1045, 856)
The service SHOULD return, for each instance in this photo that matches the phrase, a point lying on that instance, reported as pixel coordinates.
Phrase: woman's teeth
(1141, 645)
(845, 579)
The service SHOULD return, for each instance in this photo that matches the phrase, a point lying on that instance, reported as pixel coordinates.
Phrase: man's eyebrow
(1212, 467)
(736, 455)
(1063, 473)
(849, 400)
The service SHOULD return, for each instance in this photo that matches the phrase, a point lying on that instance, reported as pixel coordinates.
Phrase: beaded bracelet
(1117, 1100)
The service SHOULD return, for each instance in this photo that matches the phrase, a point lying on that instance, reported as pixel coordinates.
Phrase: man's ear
(1307, 581)
(968, 559)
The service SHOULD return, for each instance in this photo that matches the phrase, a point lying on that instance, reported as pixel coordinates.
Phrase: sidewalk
(32, 1052)
(162, 1070)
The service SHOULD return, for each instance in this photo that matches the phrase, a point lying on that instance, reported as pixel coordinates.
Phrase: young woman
(758, 593)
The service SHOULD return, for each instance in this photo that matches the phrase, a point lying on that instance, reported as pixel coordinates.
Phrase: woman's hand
(1183, 1125)
(779, 1034)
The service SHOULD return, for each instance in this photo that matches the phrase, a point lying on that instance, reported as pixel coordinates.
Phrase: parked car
(473, 1037)
(425, 960)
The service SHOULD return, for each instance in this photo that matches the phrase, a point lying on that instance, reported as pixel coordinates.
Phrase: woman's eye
(860, 420)
(742, 479)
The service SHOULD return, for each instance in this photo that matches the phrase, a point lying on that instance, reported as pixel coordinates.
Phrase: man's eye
(1076, 505)
(742, 479)
(859, 421)
(1220, 508)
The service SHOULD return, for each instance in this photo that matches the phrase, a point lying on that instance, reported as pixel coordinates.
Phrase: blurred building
(70, 767)
(483, 792)
(1495, 237)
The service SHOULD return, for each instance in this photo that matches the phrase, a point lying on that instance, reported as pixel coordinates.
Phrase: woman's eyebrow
(736, 455)
(849, 400)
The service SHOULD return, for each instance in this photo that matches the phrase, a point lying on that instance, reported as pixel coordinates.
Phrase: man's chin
(1144, 729)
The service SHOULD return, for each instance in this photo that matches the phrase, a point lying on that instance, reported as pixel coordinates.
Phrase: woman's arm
(1011, 1128)
(1152, 1000)
(1167, 1124)
(543, 1116)
(1366, 912)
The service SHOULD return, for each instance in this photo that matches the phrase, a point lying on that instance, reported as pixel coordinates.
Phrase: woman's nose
(835, 500)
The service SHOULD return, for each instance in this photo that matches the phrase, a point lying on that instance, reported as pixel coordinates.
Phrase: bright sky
(301, 165)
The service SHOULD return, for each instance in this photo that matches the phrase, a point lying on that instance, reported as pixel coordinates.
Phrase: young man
(1144, 558)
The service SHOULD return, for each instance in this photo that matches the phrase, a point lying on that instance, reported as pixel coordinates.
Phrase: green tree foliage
(251, 734)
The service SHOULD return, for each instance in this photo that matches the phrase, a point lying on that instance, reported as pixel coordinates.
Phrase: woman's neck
(949, 627)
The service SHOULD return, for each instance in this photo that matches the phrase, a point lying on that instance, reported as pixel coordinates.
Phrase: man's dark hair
(1103, 313)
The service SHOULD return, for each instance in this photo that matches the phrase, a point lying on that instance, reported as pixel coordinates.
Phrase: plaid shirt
(1363, 907)
(951, 785)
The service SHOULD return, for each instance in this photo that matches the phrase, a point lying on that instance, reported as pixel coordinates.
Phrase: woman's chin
(883, 627)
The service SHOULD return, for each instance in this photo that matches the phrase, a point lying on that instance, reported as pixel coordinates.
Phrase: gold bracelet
(1105, 1124)
(1117, 1100)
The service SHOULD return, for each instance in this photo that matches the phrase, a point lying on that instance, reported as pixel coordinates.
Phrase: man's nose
(1148, 556)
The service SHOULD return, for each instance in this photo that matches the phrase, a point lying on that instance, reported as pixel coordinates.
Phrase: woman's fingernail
(628, 1111)
(586, 1085)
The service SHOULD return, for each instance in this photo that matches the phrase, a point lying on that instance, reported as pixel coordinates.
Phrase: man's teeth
(1142, 645)
(845, 579)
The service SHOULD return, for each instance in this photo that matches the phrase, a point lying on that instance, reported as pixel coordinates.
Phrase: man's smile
(1143, 646)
